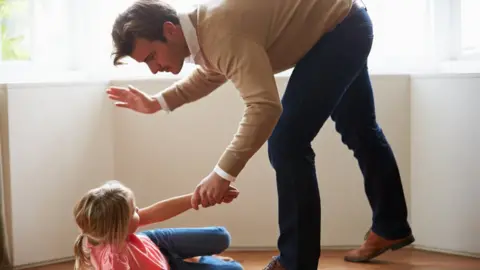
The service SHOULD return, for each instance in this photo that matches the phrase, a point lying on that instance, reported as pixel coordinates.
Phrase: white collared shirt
(191, 38)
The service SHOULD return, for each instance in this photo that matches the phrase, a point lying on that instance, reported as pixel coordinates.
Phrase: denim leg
(191, 242)
(316, 86)
(209, 263)
(356, 122)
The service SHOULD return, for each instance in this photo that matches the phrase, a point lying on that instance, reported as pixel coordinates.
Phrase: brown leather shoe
(274, 265)
(376, 245)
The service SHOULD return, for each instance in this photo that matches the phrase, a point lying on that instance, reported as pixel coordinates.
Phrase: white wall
(445, 162)
(82, 142)
(60, 146)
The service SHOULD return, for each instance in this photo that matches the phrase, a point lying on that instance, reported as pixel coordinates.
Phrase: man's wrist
(160, 100)
(156, 106)
(220, 172)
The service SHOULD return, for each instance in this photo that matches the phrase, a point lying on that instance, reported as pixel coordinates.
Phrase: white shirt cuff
(161, 100)
(223, 174)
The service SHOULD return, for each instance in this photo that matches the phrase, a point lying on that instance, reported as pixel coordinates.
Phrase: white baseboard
(273, 248)
(45, 263)
(447, 251)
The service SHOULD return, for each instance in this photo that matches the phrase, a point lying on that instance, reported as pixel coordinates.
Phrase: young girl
(108, 219)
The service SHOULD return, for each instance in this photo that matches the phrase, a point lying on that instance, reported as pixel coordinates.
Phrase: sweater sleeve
(247, 65)
(197, 85)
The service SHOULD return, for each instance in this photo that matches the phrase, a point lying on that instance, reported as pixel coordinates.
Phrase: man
(327, 42)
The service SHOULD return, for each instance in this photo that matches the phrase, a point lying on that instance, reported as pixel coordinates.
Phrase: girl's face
(135, 219)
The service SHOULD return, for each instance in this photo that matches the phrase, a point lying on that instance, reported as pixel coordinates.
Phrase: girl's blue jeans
(178, 244)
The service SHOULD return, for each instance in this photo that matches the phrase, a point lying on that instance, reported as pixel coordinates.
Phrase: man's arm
(198, 84)
(165, 209)
(247, 65)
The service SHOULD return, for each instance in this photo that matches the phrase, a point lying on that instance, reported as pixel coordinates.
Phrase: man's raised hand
(133, 99)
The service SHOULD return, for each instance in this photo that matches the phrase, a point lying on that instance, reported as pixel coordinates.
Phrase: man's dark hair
(143, 19)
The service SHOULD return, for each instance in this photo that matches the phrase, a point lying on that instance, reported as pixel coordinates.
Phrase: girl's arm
(165, 209)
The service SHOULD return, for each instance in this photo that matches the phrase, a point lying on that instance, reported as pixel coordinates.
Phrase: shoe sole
(409, 240)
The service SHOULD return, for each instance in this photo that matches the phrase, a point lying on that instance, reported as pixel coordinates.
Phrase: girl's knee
(223, 238)
(235, 266)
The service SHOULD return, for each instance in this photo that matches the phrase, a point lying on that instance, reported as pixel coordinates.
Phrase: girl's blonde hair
(103, 215)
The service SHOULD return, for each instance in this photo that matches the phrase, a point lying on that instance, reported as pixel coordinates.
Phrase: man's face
(163, 56)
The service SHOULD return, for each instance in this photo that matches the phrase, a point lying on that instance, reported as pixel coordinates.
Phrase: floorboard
(406, 259)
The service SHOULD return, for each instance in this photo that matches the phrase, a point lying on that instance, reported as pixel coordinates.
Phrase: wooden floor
(406, 259)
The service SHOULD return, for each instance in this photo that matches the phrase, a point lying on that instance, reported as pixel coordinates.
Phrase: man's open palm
(133, 99)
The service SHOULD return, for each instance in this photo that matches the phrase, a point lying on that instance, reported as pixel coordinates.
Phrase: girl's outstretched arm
(167, 209)
(164, 210)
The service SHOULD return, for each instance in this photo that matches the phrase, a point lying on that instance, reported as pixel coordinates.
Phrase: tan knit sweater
(247, 42)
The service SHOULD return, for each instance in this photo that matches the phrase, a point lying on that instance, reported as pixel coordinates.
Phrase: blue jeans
(178, 244)
(332, 80)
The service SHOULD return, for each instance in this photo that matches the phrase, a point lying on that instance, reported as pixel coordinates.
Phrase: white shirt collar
(191, 38)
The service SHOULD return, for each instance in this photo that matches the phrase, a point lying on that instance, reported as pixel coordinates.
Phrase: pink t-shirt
(139, 253)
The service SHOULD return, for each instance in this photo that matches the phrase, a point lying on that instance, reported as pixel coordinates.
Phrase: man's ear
(169, 30)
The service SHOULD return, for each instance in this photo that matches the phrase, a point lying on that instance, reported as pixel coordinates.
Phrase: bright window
(402, 34)
(470, 23)
(15, 30)
(40, 37)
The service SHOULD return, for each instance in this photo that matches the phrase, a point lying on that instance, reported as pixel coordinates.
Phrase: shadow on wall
(5, 262)
(5, 238)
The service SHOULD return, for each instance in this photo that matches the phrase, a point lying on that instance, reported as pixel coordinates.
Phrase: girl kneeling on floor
(108, 219)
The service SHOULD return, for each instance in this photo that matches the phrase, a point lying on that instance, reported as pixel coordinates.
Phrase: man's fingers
(117, 88)
(233, 193)
(215, 196)
(233, 196)
(228, 199)
(135, 91)
(117, 91)
(203, 200)
(195, 199)
(218, 197)
(206, 201)
(116, 97)
(122, 105)
(122, 92)
(233, 190)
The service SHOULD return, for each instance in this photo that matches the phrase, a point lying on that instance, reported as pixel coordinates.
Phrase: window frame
(461, 55)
